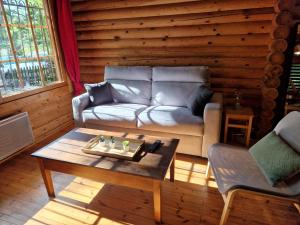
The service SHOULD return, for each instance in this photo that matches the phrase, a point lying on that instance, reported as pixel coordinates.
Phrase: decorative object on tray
(125, 145)
(112, 142)
(116, 147)
(102, 141)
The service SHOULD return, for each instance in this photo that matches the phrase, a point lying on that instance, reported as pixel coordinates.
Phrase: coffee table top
(152, 165)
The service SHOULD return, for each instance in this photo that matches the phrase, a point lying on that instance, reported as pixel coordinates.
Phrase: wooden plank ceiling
(230, 37)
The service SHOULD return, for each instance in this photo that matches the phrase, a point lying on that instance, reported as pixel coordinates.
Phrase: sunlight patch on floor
(82, 190)
(192, 172)
(85, 201)
(70, 207)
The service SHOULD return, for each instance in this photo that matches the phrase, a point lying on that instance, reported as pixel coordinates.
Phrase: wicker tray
(95, 148)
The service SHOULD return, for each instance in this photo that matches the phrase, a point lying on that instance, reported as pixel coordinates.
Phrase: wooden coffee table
(146, 172)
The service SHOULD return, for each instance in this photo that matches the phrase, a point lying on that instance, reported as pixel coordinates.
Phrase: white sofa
(153, 101)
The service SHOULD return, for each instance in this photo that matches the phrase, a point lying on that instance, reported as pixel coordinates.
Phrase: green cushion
(277, 160)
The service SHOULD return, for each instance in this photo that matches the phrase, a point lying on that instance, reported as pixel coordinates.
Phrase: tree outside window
(27, 55)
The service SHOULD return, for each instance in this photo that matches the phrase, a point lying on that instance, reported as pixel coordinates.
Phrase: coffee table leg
(157, 200)
(172, 170)
(46, 174)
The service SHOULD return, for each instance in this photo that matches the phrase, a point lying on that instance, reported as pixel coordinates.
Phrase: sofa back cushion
(174, 85)
(129, 84)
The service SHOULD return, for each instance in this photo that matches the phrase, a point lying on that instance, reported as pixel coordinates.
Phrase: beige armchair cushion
(234, 167)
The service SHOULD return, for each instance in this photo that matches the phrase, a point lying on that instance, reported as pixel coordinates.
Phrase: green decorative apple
(125, 145)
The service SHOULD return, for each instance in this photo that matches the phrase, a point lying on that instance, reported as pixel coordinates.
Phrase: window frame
(56, 52)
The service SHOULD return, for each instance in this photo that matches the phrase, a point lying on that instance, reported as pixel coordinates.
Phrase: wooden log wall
(282, 23)
(296, 12)
(49, 111)
(231, 37)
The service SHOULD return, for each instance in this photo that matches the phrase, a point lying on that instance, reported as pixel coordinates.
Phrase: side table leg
(226, 129)
(157, 201)
(46, 174)
(248, 132)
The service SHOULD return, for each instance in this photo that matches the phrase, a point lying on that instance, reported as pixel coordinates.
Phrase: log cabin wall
(49, 111)
(296, 11)
(279, 61)
(229, 36)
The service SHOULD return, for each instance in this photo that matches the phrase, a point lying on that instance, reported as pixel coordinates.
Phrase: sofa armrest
(79, 103)
(212, 118)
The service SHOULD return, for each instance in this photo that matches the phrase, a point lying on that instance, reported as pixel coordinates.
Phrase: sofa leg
(208, 171)
(227, 207)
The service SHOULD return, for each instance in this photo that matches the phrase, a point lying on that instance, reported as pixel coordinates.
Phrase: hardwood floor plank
(23, 200)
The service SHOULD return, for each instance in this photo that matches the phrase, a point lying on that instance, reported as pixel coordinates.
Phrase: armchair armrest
(79, 103)
(212, 118)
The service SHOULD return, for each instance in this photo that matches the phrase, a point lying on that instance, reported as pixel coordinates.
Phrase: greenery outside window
(28, 58)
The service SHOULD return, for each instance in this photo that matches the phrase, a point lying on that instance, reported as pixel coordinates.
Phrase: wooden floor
(23, 200)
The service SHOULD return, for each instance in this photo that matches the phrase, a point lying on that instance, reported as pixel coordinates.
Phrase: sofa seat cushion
(113, 114)
(171, 119)
(234, 167)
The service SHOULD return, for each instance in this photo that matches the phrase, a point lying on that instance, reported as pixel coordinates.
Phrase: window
(27, 50)
(294, 85)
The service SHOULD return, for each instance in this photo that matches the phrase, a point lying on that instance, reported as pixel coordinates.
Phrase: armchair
(236, 172)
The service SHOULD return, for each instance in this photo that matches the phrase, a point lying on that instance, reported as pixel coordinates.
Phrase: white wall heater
(15, 134)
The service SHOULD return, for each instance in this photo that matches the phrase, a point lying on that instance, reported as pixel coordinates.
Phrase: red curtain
(68, 42)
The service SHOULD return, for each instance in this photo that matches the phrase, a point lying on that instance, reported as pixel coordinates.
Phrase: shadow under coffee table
(146, 172)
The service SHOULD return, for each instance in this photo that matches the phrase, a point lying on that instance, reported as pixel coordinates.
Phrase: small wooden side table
(239, 118)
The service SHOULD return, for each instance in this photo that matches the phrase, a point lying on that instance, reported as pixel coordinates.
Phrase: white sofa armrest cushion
(212, 118)
(79, 103)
